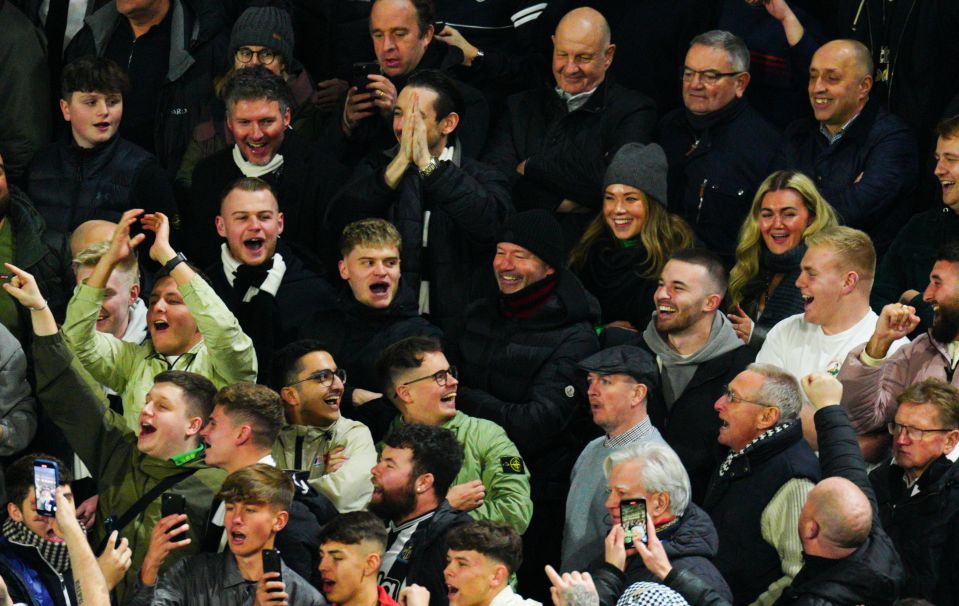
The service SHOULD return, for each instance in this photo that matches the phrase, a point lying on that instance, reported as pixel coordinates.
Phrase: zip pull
(702, 194)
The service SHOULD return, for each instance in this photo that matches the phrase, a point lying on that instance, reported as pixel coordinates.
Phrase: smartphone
(271, 563)
(172, 504)
(632, 513)
(361, 71)
(46, 478)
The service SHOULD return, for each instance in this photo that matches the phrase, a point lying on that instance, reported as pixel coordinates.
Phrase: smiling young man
(258, 499)
(351, 549)
(374, 309)
(481, 559)
(620, 379)
(190, 327)
(697, 352)
(164, 454)
(303, 177)
(93, 173)
(493, 482)
(835, 280)
(334, 452)
(264, 282)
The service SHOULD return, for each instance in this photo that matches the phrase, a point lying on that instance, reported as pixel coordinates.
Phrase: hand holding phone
(271, 563)
(632, 515)
(46, 478)
(361, 70)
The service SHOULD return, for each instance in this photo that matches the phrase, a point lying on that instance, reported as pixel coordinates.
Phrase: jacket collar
(762, 450)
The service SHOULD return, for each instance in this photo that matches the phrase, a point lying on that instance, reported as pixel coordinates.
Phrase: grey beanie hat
(264, 26)
(641, 166)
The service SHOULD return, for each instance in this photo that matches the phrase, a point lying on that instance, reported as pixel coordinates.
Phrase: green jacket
(490, 456)
(225, 355)
(302, 448)
(107, 446)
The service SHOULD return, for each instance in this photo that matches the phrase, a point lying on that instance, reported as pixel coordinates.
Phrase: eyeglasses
(735, 399)
(440, 376)
(709, 77)
(915, 434)
(264, 55)
(323, 377)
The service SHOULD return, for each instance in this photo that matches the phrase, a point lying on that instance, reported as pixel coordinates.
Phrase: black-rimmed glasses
(323, 377)
(264, 55)
(440, 376)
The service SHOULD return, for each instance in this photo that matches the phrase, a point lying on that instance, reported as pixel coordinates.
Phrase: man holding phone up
(647, 479)
(258, 499)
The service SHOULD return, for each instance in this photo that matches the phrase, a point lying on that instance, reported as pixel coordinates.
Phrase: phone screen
(632, 513)
(45, 483)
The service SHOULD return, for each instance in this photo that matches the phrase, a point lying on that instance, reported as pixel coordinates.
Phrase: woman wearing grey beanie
(621, 254)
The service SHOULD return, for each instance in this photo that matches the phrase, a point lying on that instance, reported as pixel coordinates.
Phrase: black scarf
(250, 275)
(530, 300)
(613, 274)
(703, 123)
(784, 263)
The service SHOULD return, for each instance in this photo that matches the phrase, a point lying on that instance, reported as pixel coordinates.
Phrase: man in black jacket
(849, 559)
(697, 353)
(555, 143)
(416, 468)
(517, 353)
(862, 158)
(447, 207)
(267, 286)
(718, 147)
(918, 492)
(172, 50)
(372, 311)
(303, 176)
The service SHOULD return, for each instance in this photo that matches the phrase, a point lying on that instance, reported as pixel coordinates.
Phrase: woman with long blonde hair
(762, 285)
(621, 254)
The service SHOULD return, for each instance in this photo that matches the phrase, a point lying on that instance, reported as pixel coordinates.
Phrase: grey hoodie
(677, 370)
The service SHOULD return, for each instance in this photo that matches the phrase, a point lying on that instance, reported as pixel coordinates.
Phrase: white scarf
(255, 170)
(273, 278)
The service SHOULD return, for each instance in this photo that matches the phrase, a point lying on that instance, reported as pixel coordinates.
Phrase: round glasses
(265, 56)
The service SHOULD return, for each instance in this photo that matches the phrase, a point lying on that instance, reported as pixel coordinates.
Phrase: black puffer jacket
(920, 524)
(872, 575)
(466, 206)
(715, 168)
(198, 51)
(868, 175)
(304, 184)
(566, 152)
(522, 375)
(274, 322)
(691, 545)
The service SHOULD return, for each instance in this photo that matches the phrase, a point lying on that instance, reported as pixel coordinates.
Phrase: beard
(945, 324)
(395, 506)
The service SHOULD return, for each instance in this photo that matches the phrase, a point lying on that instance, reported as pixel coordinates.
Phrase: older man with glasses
(756, 495)
(918, 491)
(719, 148)
(493, 483)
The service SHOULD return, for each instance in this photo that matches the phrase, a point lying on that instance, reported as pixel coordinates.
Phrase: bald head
(582, 51)
(842, 512)
(853, 52)
(90, 232)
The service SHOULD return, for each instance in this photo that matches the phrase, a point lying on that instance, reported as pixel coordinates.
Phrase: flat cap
(623, 359)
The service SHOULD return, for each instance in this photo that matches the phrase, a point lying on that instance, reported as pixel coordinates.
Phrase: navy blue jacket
(30, 580)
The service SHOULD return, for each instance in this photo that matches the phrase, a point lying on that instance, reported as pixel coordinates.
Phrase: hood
(695, 535)
(722, 340)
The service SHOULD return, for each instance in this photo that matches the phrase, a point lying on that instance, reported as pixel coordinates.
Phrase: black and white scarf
(55, 554)
(734, 454)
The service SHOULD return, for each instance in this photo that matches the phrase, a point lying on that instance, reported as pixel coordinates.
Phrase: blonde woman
(762, 285)
(624, 249)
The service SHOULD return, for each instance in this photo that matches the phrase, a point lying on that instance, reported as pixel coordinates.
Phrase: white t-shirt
(801, 347)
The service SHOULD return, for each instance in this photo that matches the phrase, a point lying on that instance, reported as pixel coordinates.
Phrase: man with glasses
(757, 493)
(718, 147)
(259, 107)
(333, 452)
(863, 159)
(493, 483)
(918, 490)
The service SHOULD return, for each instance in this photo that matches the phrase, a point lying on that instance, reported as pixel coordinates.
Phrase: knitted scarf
(55, 554)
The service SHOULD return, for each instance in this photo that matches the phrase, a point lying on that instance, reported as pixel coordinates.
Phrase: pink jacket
(869, 394)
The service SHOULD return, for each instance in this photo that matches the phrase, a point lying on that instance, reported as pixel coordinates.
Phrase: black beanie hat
(537, 231)
(641, 166)
(267, 26)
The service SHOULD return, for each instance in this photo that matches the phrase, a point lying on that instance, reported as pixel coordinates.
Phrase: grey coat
(18, 408)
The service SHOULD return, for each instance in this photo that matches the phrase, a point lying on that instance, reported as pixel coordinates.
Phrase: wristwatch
(426, 172)
(172, 263)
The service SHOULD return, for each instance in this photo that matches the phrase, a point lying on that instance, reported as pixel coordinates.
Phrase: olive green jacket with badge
(108, 447)
(304, 448)
(489, 455)
(225, 355)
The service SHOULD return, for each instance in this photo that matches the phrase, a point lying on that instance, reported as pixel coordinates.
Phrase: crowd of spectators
(494, 303)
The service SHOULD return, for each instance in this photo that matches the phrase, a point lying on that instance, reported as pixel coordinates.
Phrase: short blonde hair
(91, 255)
(369, 232)
(853, 248)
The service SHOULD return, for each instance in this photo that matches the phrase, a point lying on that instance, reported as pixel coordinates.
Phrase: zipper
(702, 194)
